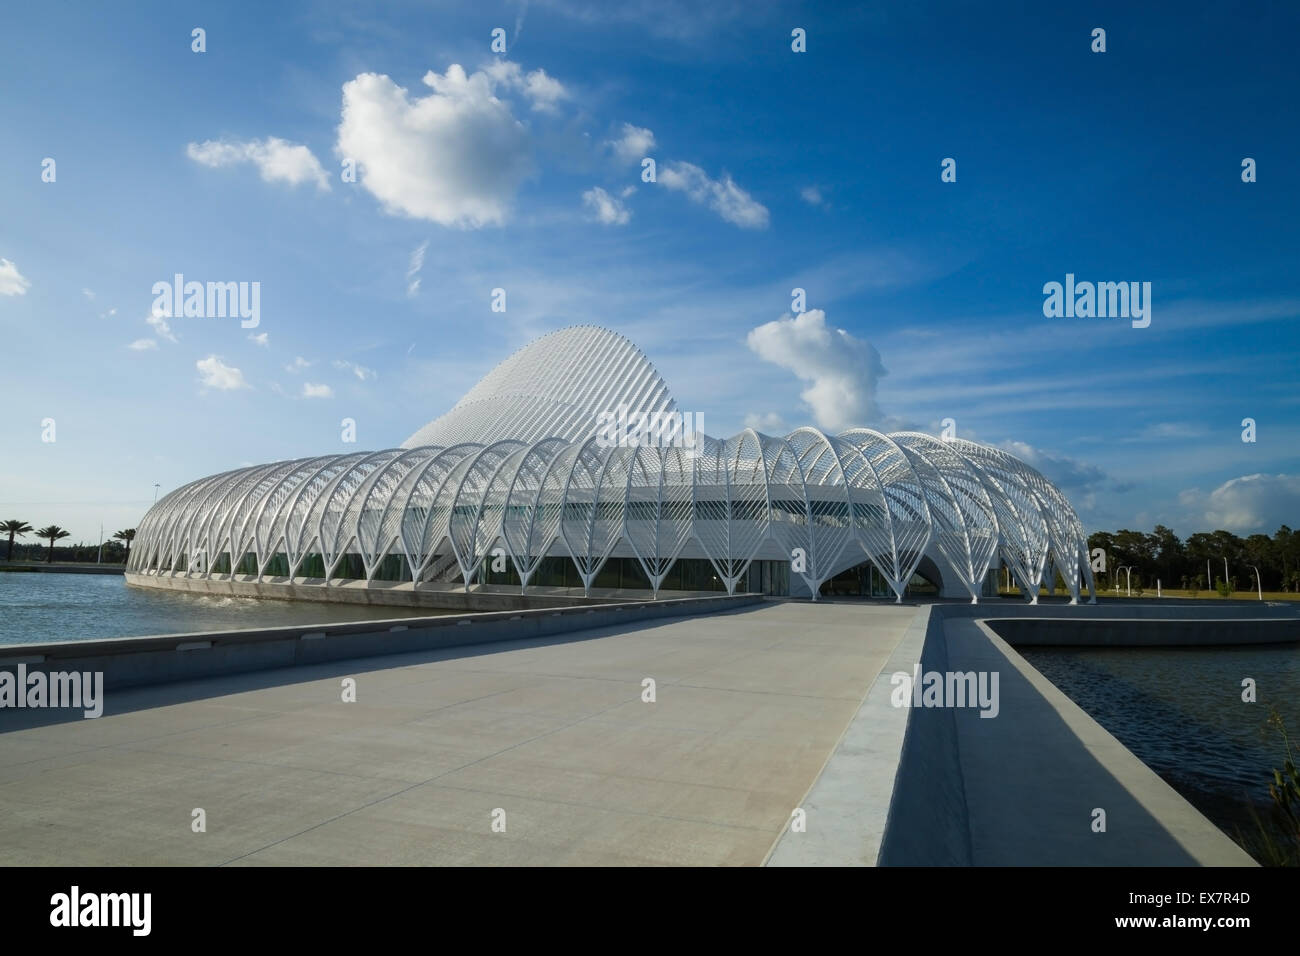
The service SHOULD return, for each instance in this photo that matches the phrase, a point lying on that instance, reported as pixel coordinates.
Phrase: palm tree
(51, 533)
(128, 536)
(14, 527)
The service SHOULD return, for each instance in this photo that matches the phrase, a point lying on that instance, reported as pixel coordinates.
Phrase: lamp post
(1128, 577)
(1225, 569)
(155, 492)
(1259, 585)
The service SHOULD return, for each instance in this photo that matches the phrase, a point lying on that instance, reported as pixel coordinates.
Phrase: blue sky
(775, 170)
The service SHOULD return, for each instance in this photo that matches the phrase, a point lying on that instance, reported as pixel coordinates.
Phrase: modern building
(570, 465)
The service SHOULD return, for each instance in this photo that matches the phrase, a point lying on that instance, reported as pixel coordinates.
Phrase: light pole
(1128, 576)
(1209, 578)
(1225, 569)
(1259, 585)
(155, 492)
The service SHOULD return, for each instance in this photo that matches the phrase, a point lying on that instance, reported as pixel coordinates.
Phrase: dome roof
(554, 387)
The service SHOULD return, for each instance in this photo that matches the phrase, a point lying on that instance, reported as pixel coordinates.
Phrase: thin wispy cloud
(360, 371)
(413, 269)
(605, 208)
(12, 282)
(723, 196)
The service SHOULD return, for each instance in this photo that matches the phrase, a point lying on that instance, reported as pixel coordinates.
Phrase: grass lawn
(1169, 593)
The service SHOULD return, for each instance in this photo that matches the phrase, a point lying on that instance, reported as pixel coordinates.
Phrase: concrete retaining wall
(927, 823)
(1129, 632)
(385, 593)
(929, 820)
(21, 566)
(135, 661)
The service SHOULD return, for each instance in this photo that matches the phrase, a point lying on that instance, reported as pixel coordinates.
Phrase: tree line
(1161, 555)
(114, 552)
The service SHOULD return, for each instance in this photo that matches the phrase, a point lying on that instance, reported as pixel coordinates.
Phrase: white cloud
(413, 270)
(88, 294)
(455, 157)
(316, 391)
(109, 314)
(297, 365)
(811, 195)
(606, 209)
(842, 370)
(12, 282)
(1251, 503)
(544, 92)
(143, 345)
(360, 371)
(216, 374)
(769, 423)
(258, 338)
(722, 196)
(161, 328)
(277, 160)
(633, 144)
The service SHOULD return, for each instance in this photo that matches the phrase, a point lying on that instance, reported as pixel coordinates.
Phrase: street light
(1128, 576)
(1258, 583)
(155, 492)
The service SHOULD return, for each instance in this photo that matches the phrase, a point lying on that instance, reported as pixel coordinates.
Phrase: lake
(40, 607)
(1180, 711)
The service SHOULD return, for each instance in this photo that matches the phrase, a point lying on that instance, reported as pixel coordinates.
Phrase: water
(1180, 711)
(37, 607)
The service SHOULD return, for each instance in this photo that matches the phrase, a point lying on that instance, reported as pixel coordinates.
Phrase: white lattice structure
(520, 468)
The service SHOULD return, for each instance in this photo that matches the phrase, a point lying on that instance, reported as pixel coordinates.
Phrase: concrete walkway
(750, 704)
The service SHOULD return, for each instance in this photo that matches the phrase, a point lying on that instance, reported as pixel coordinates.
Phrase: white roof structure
(539, 459)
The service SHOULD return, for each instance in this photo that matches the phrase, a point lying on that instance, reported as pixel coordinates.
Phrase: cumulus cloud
(455, 157)
(216, 374)
(12, 282)
(310, 390)
(605, 208)
(414, 267)
(161, 328)
(277, 160)
(143, 345)
(259, 338)
(723, 196)
(297, 365)
(544, 92)
(811, 195)
(360, 371)
(842, 371)
(633, 144)
(1251, 503)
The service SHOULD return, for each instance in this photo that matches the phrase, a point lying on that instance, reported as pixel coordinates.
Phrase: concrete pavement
(749, 706)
